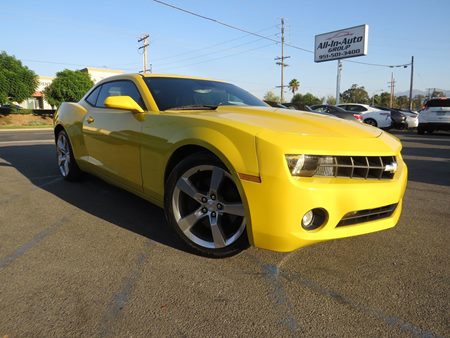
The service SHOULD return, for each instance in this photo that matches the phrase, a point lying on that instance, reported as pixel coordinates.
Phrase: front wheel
(203, 205)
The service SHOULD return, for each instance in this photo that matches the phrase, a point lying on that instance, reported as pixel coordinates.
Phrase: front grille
(367, 215)
(367, 167)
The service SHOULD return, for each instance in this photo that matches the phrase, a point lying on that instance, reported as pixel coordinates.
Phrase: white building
(98, 74)
(37, 100)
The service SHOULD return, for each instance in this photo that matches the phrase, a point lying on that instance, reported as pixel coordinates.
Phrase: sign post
(341, 44)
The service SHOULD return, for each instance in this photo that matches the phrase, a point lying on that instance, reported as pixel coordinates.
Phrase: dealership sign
(345, 43)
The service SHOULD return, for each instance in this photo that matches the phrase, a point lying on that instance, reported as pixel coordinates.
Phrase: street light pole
(338, 81)
(411, 83)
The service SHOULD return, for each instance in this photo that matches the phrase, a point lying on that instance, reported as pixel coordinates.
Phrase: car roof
(129, 76)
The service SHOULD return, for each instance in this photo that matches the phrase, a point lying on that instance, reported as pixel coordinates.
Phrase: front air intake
(367, 215)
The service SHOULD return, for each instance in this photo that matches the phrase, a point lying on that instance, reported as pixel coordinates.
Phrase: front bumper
(277, 204)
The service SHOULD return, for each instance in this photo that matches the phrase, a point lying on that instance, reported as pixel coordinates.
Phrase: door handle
(90, 119)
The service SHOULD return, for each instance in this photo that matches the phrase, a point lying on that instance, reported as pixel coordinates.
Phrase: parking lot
(87, 259)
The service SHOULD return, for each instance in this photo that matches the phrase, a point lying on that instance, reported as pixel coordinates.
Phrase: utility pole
(392, 86)
(411, 83)
(338, 81)
(280, 62)
(145, 44)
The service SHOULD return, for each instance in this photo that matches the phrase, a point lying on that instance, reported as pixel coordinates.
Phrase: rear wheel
(203, 205)
(66, 161)
(371, 122)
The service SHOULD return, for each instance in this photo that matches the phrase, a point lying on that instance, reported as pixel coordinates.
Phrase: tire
(203, 206)
(371, 122)
(420, 130)
(67, 165)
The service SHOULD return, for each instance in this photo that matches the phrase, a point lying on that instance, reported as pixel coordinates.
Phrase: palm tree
(294, 85)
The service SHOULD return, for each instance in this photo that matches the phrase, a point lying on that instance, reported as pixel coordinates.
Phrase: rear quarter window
(438, 103)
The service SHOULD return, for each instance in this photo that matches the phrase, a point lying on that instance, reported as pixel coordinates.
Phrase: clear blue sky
(52, 35)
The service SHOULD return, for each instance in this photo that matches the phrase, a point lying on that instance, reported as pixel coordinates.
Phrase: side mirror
(123, 103)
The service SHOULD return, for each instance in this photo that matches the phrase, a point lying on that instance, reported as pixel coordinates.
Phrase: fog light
(307, 219)
(314, 219)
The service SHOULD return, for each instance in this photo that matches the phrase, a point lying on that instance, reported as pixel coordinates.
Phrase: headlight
(302, 165)
(310, 165)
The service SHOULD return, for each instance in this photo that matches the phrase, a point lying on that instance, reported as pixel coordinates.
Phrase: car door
(112, 136)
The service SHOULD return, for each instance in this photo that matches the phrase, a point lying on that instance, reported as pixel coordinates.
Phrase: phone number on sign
(339, 54)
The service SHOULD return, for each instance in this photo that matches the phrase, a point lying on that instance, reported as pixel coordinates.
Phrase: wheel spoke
(61, 159)
(216, 230)
(234, 209)
(216, 178)
(186, 186)
(187, 222)
(66, 166)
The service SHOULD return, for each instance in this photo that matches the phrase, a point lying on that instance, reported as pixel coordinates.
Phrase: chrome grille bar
(366, 167)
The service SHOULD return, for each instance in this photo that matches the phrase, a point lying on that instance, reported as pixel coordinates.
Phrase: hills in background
(422, 92)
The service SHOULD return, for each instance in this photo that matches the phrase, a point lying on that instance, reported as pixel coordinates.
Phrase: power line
(70, 64)
(215, 21)
(212, 46)
(266, 37)
(222, 57)
(210, 53)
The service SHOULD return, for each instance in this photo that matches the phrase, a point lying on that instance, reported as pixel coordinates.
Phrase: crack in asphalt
(403, 325)
(38, 238)
(120, 299)
(273, 275)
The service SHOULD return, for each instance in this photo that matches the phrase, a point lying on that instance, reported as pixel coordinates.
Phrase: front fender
(70, 116)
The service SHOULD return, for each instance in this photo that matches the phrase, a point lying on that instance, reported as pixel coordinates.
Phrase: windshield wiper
(195, 107)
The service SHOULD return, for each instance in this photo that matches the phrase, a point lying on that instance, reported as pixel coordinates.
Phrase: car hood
(292, 121)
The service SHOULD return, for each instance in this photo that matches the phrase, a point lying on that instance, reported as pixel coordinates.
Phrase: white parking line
(29, 142)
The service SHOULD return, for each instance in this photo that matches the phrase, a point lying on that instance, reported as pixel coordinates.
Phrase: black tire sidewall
(372, 123)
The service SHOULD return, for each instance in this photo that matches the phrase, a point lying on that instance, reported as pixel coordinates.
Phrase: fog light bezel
(319, 218)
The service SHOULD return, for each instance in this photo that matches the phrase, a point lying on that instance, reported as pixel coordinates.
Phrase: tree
(437, 93)
(331, 100)
(418, 101)
(294, 85)
(402, 101)
(299, 101)
(17, 82)
(355, 94)
(271, 97)
(68, 86)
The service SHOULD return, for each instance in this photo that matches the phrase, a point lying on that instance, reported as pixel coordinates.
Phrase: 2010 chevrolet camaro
(229, 170)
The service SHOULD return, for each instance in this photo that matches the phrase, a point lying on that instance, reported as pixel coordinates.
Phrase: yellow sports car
(229, 170)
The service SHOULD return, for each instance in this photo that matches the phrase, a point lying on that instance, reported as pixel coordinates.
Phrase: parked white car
(375, 117)
(412, 118)
(435, 116)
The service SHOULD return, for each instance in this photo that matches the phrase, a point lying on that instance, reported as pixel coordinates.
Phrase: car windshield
(180, 93)
(438, 103)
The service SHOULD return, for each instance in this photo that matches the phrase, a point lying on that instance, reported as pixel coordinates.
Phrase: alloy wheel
(63, 153)
(207, 207)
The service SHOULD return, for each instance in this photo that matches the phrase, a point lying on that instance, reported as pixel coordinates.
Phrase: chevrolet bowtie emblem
(392, 168)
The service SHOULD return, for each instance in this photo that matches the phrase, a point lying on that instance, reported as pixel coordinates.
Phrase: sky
(51, 35)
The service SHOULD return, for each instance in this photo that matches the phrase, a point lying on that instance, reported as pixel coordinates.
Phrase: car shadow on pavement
(92, 195)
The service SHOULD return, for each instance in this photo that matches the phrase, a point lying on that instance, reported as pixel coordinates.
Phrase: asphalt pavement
(89, 260)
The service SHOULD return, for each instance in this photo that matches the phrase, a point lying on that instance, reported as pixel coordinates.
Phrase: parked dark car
(275, 104)
(397, 117)
(336, 111)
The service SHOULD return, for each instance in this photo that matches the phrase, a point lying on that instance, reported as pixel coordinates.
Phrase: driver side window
(119, 88)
